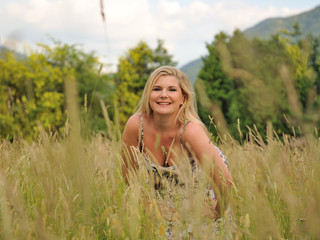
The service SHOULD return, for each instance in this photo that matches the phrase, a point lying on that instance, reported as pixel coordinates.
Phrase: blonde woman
(166, 127)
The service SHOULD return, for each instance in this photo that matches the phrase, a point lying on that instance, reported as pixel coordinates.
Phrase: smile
(163, 103)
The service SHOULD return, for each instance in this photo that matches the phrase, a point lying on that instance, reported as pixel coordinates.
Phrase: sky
(185, 26)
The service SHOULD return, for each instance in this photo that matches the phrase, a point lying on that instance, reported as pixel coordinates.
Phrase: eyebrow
(168, 87)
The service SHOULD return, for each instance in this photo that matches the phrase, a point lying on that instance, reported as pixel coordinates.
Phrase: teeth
(164, 103)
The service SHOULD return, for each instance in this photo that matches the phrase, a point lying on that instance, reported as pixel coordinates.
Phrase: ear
(181, 104)
(183, 99)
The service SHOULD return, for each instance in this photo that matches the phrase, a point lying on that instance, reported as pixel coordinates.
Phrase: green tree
(304, 53)
(218, 87)
(92, 85)
(32, 89)
(12, 86)
(242, 77)
(260, 89)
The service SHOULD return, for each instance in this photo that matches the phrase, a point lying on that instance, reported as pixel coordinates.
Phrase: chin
(166, 112)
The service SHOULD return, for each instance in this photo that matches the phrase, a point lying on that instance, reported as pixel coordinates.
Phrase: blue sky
(184, 25)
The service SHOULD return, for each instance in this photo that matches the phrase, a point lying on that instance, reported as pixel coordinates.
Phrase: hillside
(17, 54)
(2, 49)
(309, 22)
(192, 69)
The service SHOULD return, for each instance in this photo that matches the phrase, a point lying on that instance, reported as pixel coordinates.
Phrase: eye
(172, 90)
(157, 89)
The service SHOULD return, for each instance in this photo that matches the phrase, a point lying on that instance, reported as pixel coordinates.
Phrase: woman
(166, 127)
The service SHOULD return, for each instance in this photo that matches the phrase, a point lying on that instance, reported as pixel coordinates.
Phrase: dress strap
(182, 130)
(141, 134)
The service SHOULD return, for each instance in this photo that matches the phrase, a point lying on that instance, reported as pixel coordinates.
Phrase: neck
(164, 122)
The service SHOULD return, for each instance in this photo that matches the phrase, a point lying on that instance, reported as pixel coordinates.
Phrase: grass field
(67, 188)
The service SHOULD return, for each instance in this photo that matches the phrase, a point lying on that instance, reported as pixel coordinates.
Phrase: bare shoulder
(194, 134)
(131, 131)
(133, 123)
(192, 130)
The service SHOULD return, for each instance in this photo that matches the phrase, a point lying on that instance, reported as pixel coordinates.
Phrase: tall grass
(58, 188)
(63, 186)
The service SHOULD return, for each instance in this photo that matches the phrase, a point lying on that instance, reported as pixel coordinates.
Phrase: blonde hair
(188, 110)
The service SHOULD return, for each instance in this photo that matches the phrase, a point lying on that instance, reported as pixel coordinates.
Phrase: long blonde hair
(188, 110)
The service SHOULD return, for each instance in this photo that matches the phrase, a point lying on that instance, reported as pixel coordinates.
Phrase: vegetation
(32, 89)
(257, 83)
(68, 188)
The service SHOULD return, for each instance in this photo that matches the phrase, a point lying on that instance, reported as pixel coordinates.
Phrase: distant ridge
(192, 69)
(2, 49)
(17, 54)
(309, 22)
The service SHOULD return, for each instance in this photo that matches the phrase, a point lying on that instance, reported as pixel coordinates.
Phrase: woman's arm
(130, 140)
(199, 145)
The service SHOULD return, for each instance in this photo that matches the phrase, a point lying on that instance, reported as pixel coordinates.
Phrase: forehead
(167, 80)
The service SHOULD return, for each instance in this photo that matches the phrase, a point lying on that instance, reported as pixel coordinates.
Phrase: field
(62, 187)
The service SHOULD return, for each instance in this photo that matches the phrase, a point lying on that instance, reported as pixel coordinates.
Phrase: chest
(164, 148)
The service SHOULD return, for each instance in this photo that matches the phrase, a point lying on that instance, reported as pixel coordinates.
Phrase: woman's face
(166, 95)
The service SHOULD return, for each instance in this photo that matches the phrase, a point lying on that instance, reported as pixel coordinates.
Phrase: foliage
(245, 78)
(10, 104)
(92, 85)
(134, 70)
(32, 89)
(217, 85)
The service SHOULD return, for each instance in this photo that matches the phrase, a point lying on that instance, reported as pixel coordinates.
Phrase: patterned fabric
(225, 160)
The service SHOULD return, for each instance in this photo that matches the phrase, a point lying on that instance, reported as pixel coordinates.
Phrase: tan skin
(165, 100)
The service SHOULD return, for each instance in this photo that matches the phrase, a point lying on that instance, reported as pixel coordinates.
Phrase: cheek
(152, 99)
(152, 96)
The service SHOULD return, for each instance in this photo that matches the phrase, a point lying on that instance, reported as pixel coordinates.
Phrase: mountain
(192, 68)
(309, 22)
(17, 54)
(2, 49)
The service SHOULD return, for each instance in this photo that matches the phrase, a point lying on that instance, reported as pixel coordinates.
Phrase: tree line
(244, 84)
(258, 84)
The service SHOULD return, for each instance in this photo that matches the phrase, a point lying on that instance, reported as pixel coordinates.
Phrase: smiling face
(166, 96)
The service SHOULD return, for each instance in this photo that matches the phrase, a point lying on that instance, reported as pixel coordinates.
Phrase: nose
(163, 93)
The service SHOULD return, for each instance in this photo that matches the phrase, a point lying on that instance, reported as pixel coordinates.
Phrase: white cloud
(128, 20)
(184, 27)
(59, 15)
